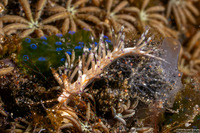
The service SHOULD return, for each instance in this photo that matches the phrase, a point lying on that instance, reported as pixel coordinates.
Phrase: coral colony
(99, 66)
(94, 59)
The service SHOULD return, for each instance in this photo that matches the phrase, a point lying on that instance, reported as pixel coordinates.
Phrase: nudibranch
(93, 62)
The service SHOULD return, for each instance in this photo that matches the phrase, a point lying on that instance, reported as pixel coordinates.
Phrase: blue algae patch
(108, 41)
(58, 43)
(63, 59)
(43, 37)
(69, 53)
(59, 49)
(77, 47)
(28, 40)
(33, 46)
(45, 43)
(41, 59)
(59, 35)
(25, 57)
(71, 32)
(105, 36)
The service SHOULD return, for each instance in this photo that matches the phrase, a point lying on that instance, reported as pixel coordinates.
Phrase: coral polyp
(76, 15)
(152, 16)
(28, 24)
(183, 10)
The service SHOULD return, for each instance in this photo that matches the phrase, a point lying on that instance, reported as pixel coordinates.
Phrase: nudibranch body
(94, 62)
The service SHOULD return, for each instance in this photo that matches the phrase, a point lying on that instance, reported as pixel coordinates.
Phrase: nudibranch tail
(94, 62)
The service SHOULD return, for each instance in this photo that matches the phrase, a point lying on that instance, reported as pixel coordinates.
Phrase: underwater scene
(99, 66)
